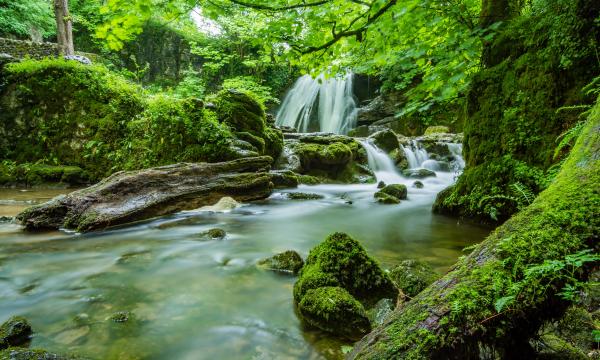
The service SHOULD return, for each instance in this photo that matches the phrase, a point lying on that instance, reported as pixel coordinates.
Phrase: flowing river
(192, 299)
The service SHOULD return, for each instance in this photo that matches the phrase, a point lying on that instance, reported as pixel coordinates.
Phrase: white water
(329, 100)
(382, 165)
(415, 155)
(456, 150)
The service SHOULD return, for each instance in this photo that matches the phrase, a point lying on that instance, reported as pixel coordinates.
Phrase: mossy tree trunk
(491, 300)
(64, 27)
(493, 11)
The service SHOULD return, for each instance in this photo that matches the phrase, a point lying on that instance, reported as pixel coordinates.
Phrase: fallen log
(493, 300)
(130, 196)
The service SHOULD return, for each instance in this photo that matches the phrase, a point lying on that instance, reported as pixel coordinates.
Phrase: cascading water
(381, 164)
(415, 155)
(326, 102)
(456, 150)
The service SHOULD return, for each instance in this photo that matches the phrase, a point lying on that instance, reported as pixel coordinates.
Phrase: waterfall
(381, 164)
(329, 100)
(415, 155)
(456, 150)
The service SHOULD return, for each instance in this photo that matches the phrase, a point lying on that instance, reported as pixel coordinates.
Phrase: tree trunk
(64, 28)
(492, 301)
(493, 11)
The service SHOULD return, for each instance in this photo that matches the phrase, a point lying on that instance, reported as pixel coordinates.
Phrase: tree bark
(458, 317)
(64, 28)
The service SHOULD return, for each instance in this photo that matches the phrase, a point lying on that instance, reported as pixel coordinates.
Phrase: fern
(567, 137)
(523, 194)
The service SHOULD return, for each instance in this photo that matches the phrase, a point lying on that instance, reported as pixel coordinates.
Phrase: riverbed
(188, 298)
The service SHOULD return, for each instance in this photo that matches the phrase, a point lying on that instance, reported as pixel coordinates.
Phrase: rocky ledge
(126, 197)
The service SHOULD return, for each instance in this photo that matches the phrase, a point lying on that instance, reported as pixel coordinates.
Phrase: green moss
(342, 259)
(512, 109)
(386, 198)
(334, 310)
(412, 276)
(33, 354)
(287, 261)
(303, 196)
(510, 277)
(398, 191)
(436, 130)
(63, 112)
(240, 111)
(16, 331)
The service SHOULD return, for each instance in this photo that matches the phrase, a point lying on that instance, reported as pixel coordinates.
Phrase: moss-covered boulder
(328, 158)
(340, 267)
(16, 331)
(397, 191)
(341, 261)
(412, 276)
(334, 310)
(286, 262)
(244, 114)
(386, 140)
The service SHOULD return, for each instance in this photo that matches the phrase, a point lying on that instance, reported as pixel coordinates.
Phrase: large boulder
(328, 157)
(16, 331)
(392, 194)
(386, 140)
(137, 195)
(418, 173)
(340, 262)
(246, 117)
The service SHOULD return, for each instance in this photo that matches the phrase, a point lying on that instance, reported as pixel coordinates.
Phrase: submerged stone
(418, 173)
(303, 196)
(213, 234)
(334, 310)
(287, 262)
(16, 331)
(412, 276)
(33, 354)
(418, 184)
(121, 316)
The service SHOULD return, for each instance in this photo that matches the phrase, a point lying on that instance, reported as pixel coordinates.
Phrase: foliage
(22, 18)
(252, 85)
(192, 85)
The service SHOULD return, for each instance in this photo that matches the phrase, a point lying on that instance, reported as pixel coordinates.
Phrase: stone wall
(21, 49)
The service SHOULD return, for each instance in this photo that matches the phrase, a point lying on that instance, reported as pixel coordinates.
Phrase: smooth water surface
(193, 299)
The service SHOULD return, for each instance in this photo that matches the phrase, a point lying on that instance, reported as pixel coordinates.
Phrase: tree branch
(278, 8)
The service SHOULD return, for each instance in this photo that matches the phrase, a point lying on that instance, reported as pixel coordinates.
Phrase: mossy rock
(341, 261)
(384, 198)
(385, 140)
(240, 111)
(286, 262)
(16, 331)
(436, 130)
(418, 173)
(412, 276)
(398, 191)
(418, 185)
(399, 158)
(334, 310)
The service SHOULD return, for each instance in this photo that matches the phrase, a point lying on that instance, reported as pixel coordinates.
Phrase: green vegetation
(71, 123)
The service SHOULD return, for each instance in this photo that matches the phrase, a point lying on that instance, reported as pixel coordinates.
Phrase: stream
(187, 298)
